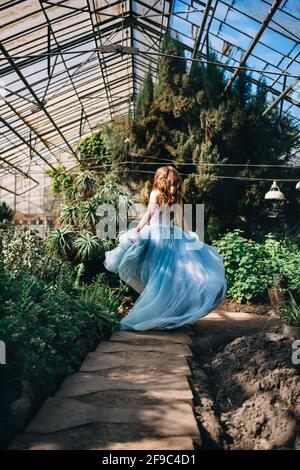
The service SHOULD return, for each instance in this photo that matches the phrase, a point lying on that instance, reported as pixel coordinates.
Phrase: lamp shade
(298, 185)
(274, 194)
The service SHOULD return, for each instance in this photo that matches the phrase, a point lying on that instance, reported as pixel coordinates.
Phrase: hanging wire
(159, 160)
(240, 178)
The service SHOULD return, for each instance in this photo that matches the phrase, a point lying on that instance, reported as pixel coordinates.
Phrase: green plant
(86, 183)
(89, 214)
(6, 213)
(61, 180)
(188, 122)
(42, 321)
(86, 245)
(70, 215)
(291, 311)
(244, 266)
(282, 262)
(277, 281)
(61, 241)
(252, 267)
(93, 151)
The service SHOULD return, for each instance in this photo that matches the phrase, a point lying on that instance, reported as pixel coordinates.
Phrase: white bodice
(164, 215)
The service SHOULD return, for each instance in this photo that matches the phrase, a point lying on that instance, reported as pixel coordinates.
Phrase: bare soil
(247, 391)
(232, 305)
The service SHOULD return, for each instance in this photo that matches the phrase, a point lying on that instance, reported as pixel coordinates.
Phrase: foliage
(86, 245)
(114, 134)
(92, 151)
(6, 213)
(283, 261)
(86, 184)
(194, 126)
(244, 266)
(145, 96)
(291, 311)
(61, 180)
(75, 239)
(22, 249)
(61, 241)
(49, 318)
(252, 267)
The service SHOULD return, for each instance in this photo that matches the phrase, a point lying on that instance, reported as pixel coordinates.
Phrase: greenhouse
(149, 225)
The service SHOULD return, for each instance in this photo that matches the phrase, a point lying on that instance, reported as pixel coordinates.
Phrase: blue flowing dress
(180, 279)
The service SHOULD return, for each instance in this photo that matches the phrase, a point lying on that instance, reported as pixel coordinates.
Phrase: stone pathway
(131, 393)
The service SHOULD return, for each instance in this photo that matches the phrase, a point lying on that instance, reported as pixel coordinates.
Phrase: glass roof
(61, 72)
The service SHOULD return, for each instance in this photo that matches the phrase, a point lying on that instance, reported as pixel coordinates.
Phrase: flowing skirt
(180, 279)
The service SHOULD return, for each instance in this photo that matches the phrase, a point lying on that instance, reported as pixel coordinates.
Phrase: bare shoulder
(154, 196)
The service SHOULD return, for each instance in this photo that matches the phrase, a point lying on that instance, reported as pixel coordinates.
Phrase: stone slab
(174, 349)
(100, 436)
(166, 387)
(58, 414)
(168, 443)
(165, 337)
(100, 361)
(132, 373)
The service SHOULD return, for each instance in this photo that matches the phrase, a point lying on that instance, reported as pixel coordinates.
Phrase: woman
(180, 279)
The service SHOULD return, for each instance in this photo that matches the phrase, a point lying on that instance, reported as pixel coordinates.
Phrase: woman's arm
(153, 201)
(180, 217)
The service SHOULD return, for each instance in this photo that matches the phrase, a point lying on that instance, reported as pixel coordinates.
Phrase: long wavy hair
(168, 181)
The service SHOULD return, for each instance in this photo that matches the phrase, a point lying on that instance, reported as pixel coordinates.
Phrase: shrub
(244, 266)
(47, 313)
(252, 267)
(283, 260)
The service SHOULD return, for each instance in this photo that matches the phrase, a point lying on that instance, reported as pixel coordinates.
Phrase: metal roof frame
(63, 74)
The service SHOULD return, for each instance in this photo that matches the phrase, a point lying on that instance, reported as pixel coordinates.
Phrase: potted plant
(291, 315)
(276, 292)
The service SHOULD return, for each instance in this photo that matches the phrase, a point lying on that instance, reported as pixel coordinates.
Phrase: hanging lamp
(274, 194)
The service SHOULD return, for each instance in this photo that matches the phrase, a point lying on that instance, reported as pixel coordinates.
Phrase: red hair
(168, 181)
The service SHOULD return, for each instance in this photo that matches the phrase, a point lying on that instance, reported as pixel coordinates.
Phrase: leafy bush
(6, 213)
(75, 238)
(244, 266)
(291, 311)
(49, 318)
(23, 249)
(252, 267)
(62, 180)
(283, 260)
(92, 150)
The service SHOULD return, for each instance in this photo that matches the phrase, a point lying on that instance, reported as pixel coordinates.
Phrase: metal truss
(66, 67)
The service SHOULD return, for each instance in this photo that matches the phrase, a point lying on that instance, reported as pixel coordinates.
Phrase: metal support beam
(36, 98)
(25, 141)
(98, 43)
(51, 32)
(282, 95)
(134, 89)
(281, 103)
(46, 144)
(253, 43)
(21, 193)
(199, 35)
(36, 183)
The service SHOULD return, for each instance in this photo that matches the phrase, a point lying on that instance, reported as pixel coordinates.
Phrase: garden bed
(231, 305)
(247, 392)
